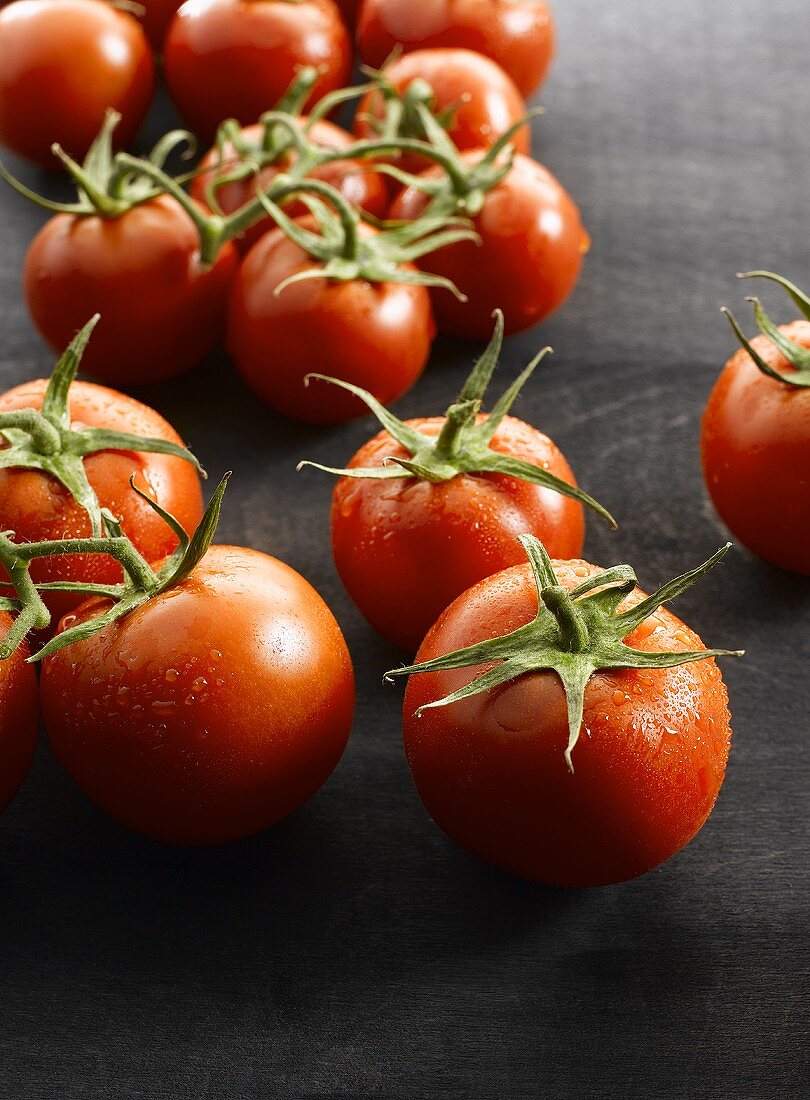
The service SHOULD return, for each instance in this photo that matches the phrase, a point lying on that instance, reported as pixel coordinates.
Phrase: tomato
(375, 335)
(348, 11)
(35, 506)
(518, 34)
(157, 15)
(19, 717)
(62, 64)
(755, 441)
(211, 711)
(482, 101)
(365, 190)
(529, 258)
(491, 767)
(405, 549)
(236, 58)
(161, 310)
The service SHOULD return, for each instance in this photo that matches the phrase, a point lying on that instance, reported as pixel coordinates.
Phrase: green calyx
(463, 446)
(141, 582)
(796, 355)
(343, 252)
(107, 187)
(462, 188)
(43, 439)
(402, 116)
(575, 633)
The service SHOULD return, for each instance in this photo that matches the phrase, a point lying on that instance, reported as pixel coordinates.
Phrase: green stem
(573, 631)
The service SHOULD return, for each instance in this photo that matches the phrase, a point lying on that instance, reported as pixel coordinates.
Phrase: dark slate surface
(353, 950)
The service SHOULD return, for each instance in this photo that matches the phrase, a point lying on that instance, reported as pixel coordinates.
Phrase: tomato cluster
(198, 692)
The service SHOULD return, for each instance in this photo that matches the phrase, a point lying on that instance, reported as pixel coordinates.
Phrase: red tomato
(157, 15)
(518, 34)
(348, 11)
(406, 548)
(484, 100)
(36, 506)
(19, 717)
(756, 453)
(529, 258)
(365, 190)
(210, 712)
(236, 58)
(374, 335)
(62, 64)
(161, 310)
(491, 768)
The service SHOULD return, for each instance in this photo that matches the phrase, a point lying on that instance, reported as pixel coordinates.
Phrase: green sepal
(574, 633)
(106, 186)
(43, 439)
(796, 355)
(463, 445)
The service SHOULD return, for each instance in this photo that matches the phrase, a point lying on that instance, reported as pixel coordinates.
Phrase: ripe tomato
(756, 452)
(19, 717)
(491, 767)
(157, 15)
(482, 101)
(37, 507)
(406, 548)
(529, 258)
(161, 310)
(210, 712)
(236, 58)
(518, 34)
(375, 335)
(365, 190)
(62, 64)
(348, 11)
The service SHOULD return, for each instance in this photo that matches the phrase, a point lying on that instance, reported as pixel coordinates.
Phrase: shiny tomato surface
(375, 335)
(406, 548)
(482, 101)
(161, 310)
(364, 189)
(62, 64)
(236, 58)
(19, 717)
(756, 454)
(532, 243)
(518, 34)
(210, 712)
(491, 769)
(36, 506)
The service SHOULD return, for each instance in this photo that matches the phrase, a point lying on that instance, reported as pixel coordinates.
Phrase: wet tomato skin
(19, 717)
(518, 34)
(491, 769)
(375, 335)
(212, 711)
(405, 549)
(755, 443)
(484, 99)
(236, 58)
(161, 310)
(36, 507)
(62, 64)
(532, 243)
(365, 190)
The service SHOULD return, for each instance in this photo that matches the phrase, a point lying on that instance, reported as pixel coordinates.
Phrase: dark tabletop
(354, 950)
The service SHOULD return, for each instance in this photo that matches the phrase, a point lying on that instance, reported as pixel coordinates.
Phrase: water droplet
(199, 683)
(171, 675)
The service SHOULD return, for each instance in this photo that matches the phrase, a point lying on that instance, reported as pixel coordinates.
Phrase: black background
(353, 950)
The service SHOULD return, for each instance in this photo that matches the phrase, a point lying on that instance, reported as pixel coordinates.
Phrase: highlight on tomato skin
(490, 765)
(63, 65)
(211, 711)
(19, 718)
